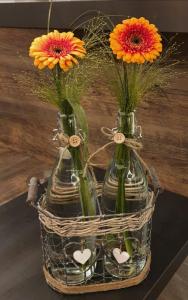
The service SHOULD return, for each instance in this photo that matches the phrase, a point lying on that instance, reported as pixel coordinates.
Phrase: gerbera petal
(45, 63)
(78, 53)
(56, 34)
(75, 61)
(36, 62)
(50, 59)
(127, 57)
(64, 67)
(42, 58)
(41, 66)
(69, 63)
(69, 35)
(51, 66)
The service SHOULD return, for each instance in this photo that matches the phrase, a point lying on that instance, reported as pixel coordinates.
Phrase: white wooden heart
(120, 256)
(82, 256)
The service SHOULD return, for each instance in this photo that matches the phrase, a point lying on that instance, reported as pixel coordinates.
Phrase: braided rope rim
(99, 287)
(95, 225)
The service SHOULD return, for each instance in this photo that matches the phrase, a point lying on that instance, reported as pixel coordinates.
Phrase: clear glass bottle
(69, 194)
(125, 190)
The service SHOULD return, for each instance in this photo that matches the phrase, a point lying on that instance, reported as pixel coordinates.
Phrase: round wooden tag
(74, 141)
(119, 138)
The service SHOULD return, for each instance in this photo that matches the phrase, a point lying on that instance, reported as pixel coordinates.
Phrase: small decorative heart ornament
(120, 256)
(82, 256)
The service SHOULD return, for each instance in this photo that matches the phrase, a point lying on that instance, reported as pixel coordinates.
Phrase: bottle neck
(67, 124)
(126, 123)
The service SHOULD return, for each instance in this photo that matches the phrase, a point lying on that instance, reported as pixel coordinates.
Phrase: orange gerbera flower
(136, 41)
(57, 48)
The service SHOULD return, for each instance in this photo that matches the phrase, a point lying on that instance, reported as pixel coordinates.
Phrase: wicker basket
(99, 227)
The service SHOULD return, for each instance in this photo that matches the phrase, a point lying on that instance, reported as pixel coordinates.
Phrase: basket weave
(95, 225)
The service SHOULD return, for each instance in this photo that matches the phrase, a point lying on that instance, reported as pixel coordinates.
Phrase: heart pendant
(120, 256)
(82, 256)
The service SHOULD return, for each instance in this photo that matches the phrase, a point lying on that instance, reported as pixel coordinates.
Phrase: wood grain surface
(16, 169)
(26, 123)
(177, 288)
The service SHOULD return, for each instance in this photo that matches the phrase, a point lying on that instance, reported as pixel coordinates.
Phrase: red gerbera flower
(136, 41)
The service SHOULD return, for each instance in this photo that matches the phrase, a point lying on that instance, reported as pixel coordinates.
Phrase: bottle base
(72, 276)
(125, 270)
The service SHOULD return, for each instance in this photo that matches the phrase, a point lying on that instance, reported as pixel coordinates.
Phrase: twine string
(110, 133)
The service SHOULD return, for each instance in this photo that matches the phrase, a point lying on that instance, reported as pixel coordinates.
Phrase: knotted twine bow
(129, 142)
(64, 143)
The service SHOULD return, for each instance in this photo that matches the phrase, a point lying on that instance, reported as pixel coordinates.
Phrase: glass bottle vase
(70, 194)
(125, 191)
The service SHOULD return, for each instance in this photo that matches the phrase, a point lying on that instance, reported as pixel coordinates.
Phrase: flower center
(57, 47)
(136, 40)
(57, 50)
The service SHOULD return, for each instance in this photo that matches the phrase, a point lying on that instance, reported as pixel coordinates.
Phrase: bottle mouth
(131, 122)
(129, 114)
(62, 115)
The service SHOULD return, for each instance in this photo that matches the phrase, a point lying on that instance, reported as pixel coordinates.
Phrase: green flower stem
(87, 207)
(78, 160)
(122, 158)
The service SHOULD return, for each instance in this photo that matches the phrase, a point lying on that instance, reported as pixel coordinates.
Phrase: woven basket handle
(155, 182)
(32, 195)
